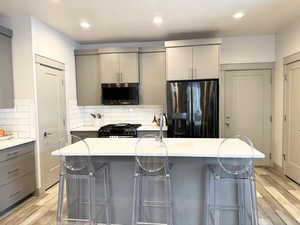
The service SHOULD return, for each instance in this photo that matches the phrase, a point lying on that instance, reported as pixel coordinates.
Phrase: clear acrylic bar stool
(152, 200)
(77, 204)
(231, 189)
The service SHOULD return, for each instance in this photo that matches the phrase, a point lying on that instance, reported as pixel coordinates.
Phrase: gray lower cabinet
(84, 134)
(17, 175)
(6, 72)
(151, 133)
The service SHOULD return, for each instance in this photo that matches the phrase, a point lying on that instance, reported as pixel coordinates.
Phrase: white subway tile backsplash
(19, 120)
(80, 116)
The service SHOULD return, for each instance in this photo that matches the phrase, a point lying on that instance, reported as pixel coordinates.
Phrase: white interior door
(248, 108)
(292, 163)
(52, 120)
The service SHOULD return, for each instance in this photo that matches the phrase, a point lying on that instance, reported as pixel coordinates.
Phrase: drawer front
(16, 190)
(84, 134)
(17, 167)
(12, 153)
(150, 133)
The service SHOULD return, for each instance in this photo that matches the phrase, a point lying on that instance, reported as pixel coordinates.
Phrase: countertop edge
(127, 151)
(56, 153)
(15, 142)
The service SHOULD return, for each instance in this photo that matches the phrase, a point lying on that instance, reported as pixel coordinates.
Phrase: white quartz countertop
(151, 127)
(14, 142)
(177, 147)
(144, 127)
(86, 129)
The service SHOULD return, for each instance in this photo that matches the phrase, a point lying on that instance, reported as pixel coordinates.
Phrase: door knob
(227, 124)
(47, 134)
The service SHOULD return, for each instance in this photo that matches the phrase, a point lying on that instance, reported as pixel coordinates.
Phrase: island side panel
(188, 182)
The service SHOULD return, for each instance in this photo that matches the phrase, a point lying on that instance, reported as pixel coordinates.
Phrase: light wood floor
(278, 203)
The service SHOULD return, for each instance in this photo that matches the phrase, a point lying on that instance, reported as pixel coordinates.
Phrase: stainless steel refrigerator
(193, 108)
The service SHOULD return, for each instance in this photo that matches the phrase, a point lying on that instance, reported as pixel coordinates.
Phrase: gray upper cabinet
(119, 67)
(206, 62)
(98, 66)
(180, 63)
(88, 80)
(153, 78)
(110, 68)
(129, 68)
(196, 62)
(6, 69)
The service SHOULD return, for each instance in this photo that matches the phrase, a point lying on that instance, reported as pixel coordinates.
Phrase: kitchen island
(189, 159)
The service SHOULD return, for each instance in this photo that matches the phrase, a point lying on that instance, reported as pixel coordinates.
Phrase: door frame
(286, 61)
(54, 64)
(239, 67)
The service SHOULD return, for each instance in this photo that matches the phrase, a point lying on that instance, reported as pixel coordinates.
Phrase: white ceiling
(131, 20)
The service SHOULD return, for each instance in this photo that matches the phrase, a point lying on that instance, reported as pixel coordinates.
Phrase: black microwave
(120, 94)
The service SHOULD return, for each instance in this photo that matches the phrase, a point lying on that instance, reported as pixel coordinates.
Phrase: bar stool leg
(136, 200)
(140, 200)
(60, 199)
(207, 199)
(92, 200)
(241, 201)
(144, 211)
(210, 198)
(107, 190)
(170, 200)
(216, 210)
(253, 201)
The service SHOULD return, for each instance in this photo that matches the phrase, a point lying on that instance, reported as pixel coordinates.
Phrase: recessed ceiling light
(157, 20)
(238, 15)
(85, 25)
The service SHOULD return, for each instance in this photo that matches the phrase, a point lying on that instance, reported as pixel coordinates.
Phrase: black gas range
(121, 130)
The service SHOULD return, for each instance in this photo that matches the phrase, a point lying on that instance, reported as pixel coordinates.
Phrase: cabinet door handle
(12, 155)
(13, 171)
